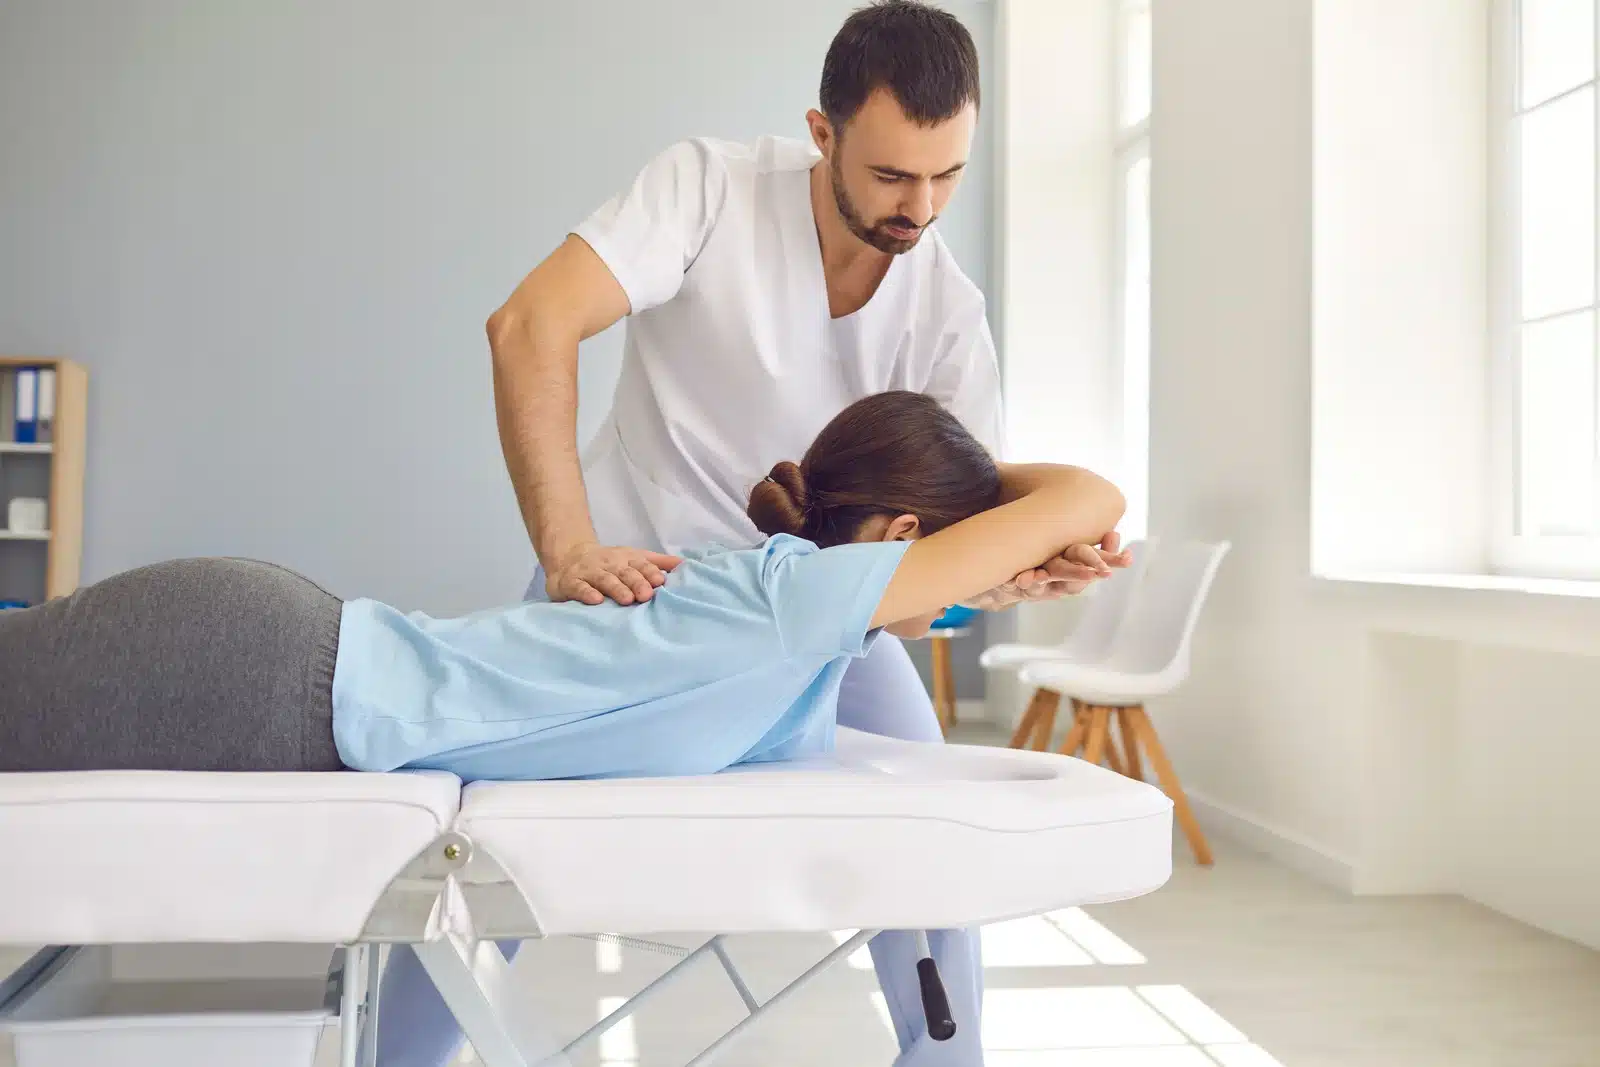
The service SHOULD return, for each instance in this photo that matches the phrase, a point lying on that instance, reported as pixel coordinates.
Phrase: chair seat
(1098, 683)
(1011, 654)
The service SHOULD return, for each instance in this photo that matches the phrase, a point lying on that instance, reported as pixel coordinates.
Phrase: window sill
(1507, 583)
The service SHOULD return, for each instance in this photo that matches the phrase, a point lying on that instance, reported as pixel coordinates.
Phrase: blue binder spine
(27, 425)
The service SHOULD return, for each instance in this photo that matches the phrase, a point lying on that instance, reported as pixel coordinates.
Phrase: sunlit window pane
(1558, 425)
(1136, 341)
(1557, 53)
(1558, 194)
(1136, 66)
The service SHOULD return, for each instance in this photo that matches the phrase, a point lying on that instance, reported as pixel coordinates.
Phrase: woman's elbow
(1116, 505)
(1100, 497)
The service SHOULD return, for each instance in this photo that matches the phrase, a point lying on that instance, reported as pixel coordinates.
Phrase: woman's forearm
(1017, 480)
(1046, 508)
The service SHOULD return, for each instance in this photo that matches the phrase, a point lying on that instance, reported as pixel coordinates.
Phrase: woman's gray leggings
(188, 665)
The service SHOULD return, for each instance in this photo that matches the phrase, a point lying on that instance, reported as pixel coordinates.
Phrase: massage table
(879, 835)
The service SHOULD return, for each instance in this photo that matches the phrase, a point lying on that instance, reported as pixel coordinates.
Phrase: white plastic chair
(1091, 640)
(1150, 657)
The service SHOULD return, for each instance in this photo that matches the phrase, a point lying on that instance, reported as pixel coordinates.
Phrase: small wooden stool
(952, 624)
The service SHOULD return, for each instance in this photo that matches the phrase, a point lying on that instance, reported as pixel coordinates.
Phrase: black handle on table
(935, 1005)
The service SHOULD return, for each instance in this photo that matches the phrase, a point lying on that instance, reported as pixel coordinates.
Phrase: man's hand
(1066, 575)
(592, 572)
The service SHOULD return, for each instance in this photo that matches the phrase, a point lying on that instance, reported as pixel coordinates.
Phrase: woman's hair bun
(778, 502)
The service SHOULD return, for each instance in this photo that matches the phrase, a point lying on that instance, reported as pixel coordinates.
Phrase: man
(766, 287)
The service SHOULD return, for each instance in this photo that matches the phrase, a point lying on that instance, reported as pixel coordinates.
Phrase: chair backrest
(1100, 625)
(1159, 628)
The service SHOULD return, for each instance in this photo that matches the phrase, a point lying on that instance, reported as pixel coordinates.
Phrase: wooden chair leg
(1130, 745)
(1075, 735)
(1046, 726)
(944, 697)
(1094, 747)
(1169, 782)
(1030, 717)
(1113, 754)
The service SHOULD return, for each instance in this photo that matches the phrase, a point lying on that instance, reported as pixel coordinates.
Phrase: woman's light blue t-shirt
(736, 659)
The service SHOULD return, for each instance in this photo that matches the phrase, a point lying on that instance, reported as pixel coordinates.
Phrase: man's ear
(903, 528)
(821, 132)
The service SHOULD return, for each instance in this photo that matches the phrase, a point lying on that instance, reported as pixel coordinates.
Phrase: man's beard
(876, 235)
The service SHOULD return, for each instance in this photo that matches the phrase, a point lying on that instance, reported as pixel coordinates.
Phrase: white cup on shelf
(28, 514)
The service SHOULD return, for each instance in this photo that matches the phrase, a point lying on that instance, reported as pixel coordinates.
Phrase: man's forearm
(536, 409)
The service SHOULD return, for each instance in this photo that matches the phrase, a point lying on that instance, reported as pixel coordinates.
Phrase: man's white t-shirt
(732, 361)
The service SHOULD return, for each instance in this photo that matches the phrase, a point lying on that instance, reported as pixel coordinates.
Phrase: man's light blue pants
(880, 694)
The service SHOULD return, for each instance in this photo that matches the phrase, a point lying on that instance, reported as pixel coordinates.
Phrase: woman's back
(736, 658)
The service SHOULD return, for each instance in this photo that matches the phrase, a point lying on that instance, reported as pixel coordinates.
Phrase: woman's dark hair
(923, 55)
(895, 453)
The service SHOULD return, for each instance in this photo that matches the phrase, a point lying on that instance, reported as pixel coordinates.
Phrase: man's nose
(918, 206)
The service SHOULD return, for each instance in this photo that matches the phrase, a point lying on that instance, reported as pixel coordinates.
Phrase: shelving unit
(55, 467)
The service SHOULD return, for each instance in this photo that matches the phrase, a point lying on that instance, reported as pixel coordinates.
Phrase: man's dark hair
(923, 55)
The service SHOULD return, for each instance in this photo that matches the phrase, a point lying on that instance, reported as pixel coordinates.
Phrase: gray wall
(273, 233)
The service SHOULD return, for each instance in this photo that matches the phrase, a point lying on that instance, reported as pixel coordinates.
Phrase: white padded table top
(113, 857)
(886, 835)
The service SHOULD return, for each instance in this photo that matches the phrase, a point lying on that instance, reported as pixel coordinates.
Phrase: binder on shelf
(47, 405)
(27, 408)
(8, 405)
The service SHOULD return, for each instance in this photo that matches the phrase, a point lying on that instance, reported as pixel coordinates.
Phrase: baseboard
(1289, 849)
(972, 711)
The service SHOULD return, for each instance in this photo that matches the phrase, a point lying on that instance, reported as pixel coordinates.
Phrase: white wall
(1383, 737)
(1400, 310)
(273, 233)
(1266, 729)
(1055, 206)
(1389, 738)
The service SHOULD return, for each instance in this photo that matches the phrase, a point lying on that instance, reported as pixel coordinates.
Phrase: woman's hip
(193, 664)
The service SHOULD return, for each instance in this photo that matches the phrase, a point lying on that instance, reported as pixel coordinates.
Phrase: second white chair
(1090, 641)
(1149, 656)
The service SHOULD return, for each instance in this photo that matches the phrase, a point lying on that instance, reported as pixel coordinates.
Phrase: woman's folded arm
(1044, 508)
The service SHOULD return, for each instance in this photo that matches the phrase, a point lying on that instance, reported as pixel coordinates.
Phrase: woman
(216, 664)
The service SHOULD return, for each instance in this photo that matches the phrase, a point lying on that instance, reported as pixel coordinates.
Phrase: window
(1132, 254)
(1546, 280)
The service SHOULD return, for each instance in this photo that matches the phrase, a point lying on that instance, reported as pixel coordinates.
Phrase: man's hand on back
(592, 572)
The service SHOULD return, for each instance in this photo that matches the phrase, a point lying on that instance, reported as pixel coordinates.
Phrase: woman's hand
(1066, 575)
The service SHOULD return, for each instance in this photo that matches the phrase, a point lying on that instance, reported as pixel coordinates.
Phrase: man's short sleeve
(649, 234)
(824, 598)
(966, 377)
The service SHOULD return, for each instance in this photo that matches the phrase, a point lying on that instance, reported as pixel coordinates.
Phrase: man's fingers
(651, 572)
(661, 559)
(637, 582)
(611, 586)
(1111, 542)
(578, 589)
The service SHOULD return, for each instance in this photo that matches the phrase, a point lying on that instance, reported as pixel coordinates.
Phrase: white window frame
(1514, 550)
(1131, 146)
